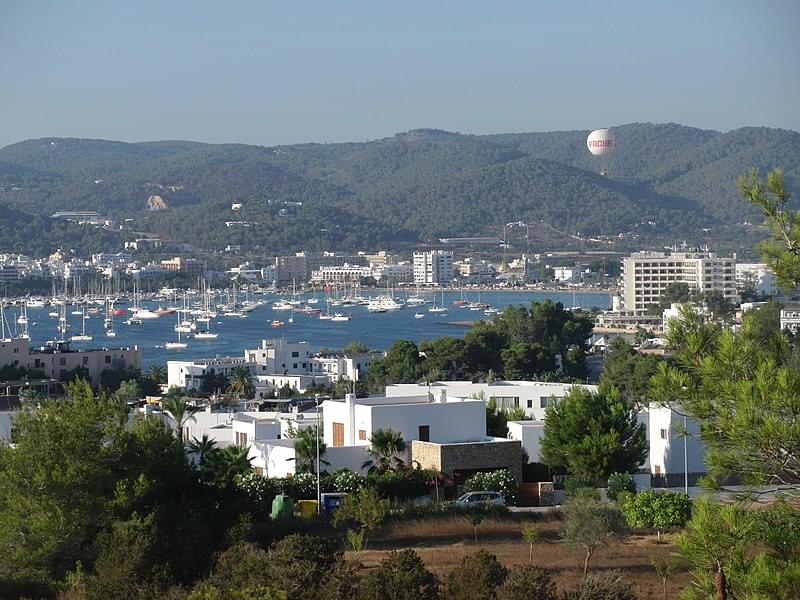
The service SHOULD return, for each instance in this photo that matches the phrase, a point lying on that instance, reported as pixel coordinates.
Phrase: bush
(478, 575)
(400, 576)
(591, 525)
(620, 482)
(298, 564)
(403, 484)
(606, 586)
(525, 582)
(651, 509)
(345, 480)
(496, 481)
(582, 486)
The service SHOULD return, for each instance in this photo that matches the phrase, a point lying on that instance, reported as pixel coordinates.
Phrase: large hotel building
(645, 275)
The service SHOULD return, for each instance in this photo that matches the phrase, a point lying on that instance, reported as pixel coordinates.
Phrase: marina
(154, 324)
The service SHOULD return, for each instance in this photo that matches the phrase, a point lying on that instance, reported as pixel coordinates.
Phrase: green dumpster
(282, 506)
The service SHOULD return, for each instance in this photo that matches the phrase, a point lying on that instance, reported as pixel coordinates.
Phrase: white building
(393, 272)
(790, 318)
(757, 277)
(448, 435)
(351, 422)
(664, 465)
(666, 428)
(563, 274)
(645, 275)
(273, 365)
(190, 374)
(345, 273)
(434, 267)
(532, 396)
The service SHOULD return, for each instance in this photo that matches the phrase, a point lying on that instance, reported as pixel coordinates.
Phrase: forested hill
(666, 183)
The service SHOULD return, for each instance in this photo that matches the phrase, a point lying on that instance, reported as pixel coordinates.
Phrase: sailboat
(438, 309)
(82, 337)
(205, 334)
(108, 322)
(23, 320)
(176, 345)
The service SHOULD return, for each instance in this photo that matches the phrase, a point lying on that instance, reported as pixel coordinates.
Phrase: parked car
(481, 498)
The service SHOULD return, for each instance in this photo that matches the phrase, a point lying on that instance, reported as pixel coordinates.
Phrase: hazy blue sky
(272, 73)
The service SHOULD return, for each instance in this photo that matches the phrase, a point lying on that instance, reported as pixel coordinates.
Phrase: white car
(481, 498)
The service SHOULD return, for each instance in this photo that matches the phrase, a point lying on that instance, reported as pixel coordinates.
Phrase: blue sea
(376, 330)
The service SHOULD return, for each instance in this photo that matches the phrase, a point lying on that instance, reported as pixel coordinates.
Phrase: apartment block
(645, 275)
(433, 267)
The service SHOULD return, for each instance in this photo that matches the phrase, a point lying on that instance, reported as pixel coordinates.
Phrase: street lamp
(319, 498)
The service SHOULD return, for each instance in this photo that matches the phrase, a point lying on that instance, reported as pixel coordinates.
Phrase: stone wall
(470, 456)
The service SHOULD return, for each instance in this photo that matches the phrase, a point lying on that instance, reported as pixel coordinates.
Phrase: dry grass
(443, 541)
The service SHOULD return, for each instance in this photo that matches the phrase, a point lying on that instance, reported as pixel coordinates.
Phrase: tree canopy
(593, 435)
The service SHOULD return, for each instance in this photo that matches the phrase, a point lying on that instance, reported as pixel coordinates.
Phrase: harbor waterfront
(375, 329)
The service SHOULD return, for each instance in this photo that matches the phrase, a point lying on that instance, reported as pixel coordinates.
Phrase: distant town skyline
(283, 73)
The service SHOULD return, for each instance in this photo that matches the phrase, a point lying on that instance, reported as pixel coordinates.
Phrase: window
(530, 403)
(657, 469)
(294, 365)
(241, 438)
(108, 358)
(506, 401)
(362, 434)
(295, 354)
(86, 360)
(338, 435)
(424, 433)
(62, 362)
(543, 401)
(664, 434)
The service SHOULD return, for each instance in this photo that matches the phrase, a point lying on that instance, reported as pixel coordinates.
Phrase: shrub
(605, 586)
(620, 482)
(365, 508)
(496, 481)
(354, 538)
(303, 486)
(341, 582)
(345, 480)
(298, 564)
(478, 575)
(583, 486)
(402, 484)
(651, 509)
(591, 525)
(400, 576)
(525, 582)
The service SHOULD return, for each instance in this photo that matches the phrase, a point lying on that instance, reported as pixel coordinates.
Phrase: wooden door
(338, 434)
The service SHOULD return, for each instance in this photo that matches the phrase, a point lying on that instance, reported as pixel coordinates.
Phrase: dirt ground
(442, 542)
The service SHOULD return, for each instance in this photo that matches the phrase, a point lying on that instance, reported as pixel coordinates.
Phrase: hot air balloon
(601, 142)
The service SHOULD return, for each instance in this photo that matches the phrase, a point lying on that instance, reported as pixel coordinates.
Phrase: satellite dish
(601, 142)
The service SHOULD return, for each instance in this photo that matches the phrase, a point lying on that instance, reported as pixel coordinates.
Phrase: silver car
(481, 498)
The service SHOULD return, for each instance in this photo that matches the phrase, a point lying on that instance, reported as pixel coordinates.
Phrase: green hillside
(666, 183)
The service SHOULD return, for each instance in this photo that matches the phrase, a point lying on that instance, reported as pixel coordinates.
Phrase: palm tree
(230, 462)
(205, 447)
(157, 373)
(305, 450)
(242, 382)
(386, 447)
(179, 409)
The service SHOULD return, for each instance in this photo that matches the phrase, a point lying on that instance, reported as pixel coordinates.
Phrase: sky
(295, 71)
